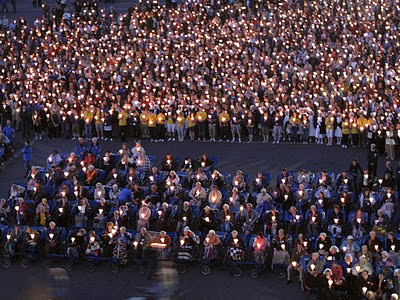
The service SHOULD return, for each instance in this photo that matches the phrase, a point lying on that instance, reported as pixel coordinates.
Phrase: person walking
(27, 156)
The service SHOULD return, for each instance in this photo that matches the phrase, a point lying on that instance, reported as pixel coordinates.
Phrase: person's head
(322, 236)
(234, 234)
(281, 232)
(143, 231)
(163, 234)
(315, 256)
(249, 206)
(372, 235)
(186, 204)
(27, 143)
(259, 235)
(52, 225)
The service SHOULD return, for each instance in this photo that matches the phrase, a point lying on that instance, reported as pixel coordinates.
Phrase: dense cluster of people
(93, 202)
(298, 71)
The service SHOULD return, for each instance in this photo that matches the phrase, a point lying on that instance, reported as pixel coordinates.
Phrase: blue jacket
(95, 149)
(125, 195)
(9, 132)
(27, 153)
(81, 150)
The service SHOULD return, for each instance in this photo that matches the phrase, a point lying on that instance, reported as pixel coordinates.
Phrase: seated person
(205, 162)
(236, 246)
(122, 242)
(211, 244)
(5, 212)
(197, 195)
(91, 176)
(313, 271)
(52, 239)
(162, 219)
(280, 246)
(260, 245)
(248, 217)
(99, 192)
(226, 218)
(94, 245)
(31, 239)
(187, 241)
(183, 216)
(207, 220)
(239, 181)
(214, 198)
(259, 183)
(14, 240)
(162, 243)
(294, 265)
(141, 243)
(42, 216)
(76, 245)
(144, 217)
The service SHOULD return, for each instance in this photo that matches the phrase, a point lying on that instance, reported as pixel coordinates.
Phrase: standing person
(25, 118)
(123, 124)
(27, 156)
(372, 160)
(4, 7)
(9, 132)
(278, 123)
(390, 143)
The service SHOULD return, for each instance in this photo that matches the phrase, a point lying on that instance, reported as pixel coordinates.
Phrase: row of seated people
(346, 266)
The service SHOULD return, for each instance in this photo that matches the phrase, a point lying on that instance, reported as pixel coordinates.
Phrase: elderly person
(54, 159)
(42, 213)
(52, 239)
(263, 200)
(323, 244)
(141, 243)
(280, 246)
(313, 271)
(362, 265)
(14, 240)
(214, 198)
(260, 245)
(239, 181)
(211, 244)
(248, 218)
(260, 183)
(226, 218)
(235, 246)
(187, 241)
(294, 265)
(349, 246)
(207, 220)
(183, 216)
(143, 217)
(162, 243)
(197, 195)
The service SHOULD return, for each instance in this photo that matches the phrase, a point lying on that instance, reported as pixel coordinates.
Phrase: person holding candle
(42, 213)
(13, 240)
(169, 163)
(205, 162)
(349, 246)
(207, 220)
(323, 244)
(197, 195)
(259, 183)
(224, 120)
(248, 217)
(227, 219)
(280, 245)
(260, 245)
(211, 245)
(313, 271)
(94, 247)
(122, 241)
(314, 220)
(76, 244)
(375, 246)
(82, 212)
(235, 246)
(294, 265)
(214, 198)
(366, 283)
(162, 243)
(143, 217)
(180, 126)
(52, 239)
(184, 216)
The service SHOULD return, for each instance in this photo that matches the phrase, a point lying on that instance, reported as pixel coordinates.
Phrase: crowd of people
(340, 232)
(297, 71)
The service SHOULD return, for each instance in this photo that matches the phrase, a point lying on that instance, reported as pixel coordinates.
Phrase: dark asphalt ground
(19, 283)
(219, 284)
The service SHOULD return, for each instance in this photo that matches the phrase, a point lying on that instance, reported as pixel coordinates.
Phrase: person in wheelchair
(295, 262)
(122, 242)
(52, 239)
(280, 245)
(235, 247)
(260, 246)
(141, 243)
(76, 244)
(14, 240)
(30, 239)
(5, 211)
(328, 287)
(94, 247)
(186, 245)
(313, 272)
(162, 243)
(211, 245)
(108, 239)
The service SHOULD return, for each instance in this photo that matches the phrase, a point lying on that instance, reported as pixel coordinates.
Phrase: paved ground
(218, 285)
(18, 283)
